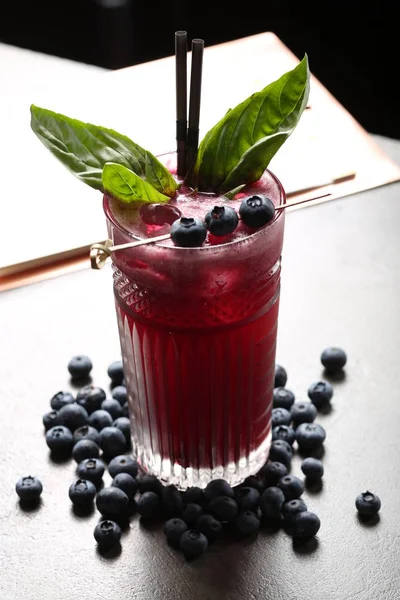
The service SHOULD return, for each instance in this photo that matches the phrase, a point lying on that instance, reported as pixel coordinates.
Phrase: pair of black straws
(187, 131)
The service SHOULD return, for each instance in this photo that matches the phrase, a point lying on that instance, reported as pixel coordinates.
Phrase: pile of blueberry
(255, 211)
(95, 431)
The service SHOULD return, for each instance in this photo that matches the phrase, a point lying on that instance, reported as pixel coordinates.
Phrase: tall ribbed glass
(198, 330)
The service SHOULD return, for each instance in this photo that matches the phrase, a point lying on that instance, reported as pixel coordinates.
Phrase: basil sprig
(85, 149)
(233, 153)
(241, 145)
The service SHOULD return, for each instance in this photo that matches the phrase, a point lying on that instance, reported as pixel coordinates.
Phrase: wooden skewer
(303, 201)
(100, 252)
(153, 240)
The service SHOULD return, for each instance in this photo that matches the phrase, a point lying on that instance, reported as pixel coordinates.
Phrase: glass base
(184, 477)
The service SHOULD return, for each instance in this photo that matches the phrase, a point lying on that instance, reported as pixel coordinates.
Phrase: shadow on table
(305, 547)
(365, 521)
(225, 569)
(59, 459)
(334, 378)
(82, 512)
(316, 453)
(77, 384)
(110, 554)
(30, 506)
(314, 486)
(326, 410)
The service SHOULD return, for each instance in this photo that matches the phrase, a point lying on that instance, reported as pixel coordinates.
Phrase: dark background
(352, 46)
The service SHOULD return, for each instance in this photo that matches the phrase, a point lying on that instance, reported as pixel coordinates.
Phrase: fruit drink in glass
(198, 330)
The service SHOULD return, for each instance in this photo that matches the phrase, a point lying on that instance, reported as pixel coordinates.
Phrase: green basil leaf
(124, 184)
(85, 148)
(254, 161)
(240, 146)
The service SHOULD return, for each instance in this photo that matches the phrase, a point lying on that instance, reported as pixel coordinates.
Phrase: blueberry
(254, 481)
(126, 483)
(90, 398)
(291, 486)
(312, 468)
(320, 393)
(85, 449)
(29, 489)
(99, 419)
(50, 419)
(310, 436)
(188, 232)
(256, 211)
(171, 500)
(91, 469)
(112, 503)
(149, 483)
(173, 529)
(280, 416)
(73, 416)
(280, 376)
(125, 410)
(246, 523)
(292, 508)
(123, 464)
(80, 366)
(281, 451)
(223, 508)
(217, 487)
(284, 432)
(113, 444)
(107, 534)
(120, 394)
(191, 512)
(82, 492)
(113, 407)
(86, 432)
(282, 398)
(124, 424)
(271, 502)
(272, 472)
(59, 440)
(60, 399)
(115, 372)
(193, 543)
(305, 525)
(193, 495)
(149, 505)
(222, 220)
(210, 527)
(247, 498)
(303, 412)
(333, 359)
(368, 504)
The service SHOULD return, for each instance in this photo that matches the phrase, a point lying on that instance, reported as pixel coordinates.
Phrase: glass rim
(110, 217)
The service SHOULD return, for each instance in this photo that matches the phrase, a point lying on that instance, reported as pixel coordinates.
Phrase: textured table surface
(340, 285)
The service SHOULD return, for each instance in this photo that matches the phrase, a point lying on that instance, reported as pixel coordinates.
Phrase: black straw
(194, 101)
(181, 99)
